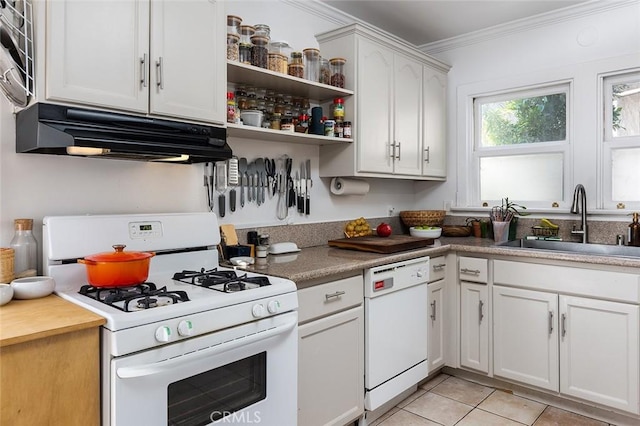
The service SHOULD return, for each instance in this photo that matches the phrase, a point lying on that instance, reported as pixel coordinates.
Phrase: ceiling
(426, 21)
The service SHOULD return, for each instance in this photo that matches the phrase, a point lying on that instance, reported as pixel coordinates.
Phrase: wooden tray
(391, 244)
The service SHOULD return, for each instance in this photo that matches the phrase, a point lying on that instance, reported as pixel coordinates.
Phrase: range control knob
(258, 310)
(163, 334)
(419, 274)
(273, 306)
(185, 328)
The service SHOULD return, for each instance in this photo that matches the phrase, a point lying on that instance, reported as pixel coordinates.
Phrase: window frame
(607, 143)
(551, 147)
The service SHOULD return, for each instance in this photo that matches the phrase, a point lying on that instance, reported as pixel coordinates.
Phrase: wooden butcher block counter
(49, 363)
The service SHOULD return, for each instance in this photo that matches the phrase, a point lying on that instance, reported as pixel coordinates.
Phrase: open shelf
(270, 135)
(247, 74)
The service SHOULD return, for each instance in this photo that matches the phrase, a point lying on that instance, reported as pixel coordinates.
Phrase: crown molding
(545, 19)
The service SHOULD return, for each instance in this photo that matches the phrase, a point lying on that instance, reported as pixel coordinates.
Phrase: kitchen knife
(308, 187)
(242, 168)
(298, 185)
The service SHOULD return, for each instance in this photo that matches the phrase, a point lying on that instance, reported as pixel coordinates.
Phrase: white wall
(35, 186)
(576, 48)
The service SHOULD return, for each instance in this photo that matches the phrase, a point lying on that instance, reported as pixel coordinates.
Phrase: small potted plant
(506, 212)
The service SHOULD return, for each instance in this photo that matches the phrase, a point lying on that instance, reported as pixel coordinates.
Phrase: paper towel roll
(342, 186)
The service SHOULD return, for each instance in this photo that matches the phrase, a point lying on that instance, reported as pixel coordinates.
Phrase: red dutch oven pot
(118, 268)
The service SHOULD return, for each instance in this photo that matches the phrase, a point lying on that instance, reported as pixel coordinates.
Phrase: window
(621, 138)
(521, 146)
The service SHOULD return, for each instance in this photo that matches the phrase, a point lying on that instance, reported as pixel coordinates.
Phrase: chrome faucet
(580, 196)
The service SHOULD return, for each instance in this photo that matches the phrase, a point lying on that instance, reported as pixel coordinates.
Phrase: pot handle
(86, 262)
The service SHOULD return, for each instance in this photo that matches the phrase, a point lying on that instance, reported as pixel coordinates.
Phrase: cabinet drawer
(473, 269)
(437, 269)
(325, 299)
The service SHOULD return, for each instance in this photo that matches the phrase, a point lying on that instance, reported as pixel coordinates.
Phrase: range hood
(64, 130)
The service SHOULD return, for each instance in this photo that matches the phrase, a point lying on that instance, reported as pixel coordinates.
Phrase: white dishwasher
(396, 324)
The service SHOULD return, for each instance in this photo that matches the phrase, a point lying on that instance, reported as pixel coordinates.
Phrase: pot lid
(119, 255)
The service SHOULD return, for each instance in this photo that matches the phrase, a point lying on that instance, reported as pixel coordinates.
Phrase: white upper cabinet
(160, 57)
(400, 108)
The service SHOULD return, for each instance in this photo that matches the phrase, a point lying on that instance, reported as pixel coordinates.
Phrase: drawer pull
(470, 271)
(439, 266)
(332, 295)
(433, 310)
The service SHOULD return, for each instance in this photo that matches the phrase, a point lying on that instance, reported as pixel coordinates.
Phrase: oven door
(242, 375)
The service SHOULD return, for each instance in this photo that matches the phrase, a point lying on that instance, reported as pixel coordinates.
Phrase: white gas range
(196, 343)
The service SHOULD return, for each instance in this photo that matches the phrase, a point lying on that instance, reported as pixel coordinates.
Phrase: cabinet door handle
(332, 295)
(564, 324)
(438, 266)
(143, 71)
(433, 310)
(550, 322)
(470, 271)
(427, 157)
(392, 148)
(160, 73)
(399, 152)
(481, 305)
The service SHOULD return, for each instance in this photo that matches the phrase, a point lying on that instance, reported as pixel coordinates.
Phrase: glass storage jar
(296, 70)
(325, 71)
(263, 30)
(233, 24)
(337, 109)
(337, 71)
(260, 51)
(276, 118)
(277, 63)
(246, 32)
(296, 58)
(25, 248)
(233, 47)
(312, 64)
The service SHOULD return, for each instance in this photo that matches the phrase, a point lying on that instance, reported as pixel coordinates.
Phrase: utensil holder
(501, 231)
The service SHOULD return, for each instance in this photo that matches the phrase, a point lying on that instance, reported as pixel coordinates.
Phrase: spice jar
(262, 30)
(303, 124)
(231, 108)
(286, 124)
(25, 249)
(246, 32)
(296, 58)
(233, 47)
(338, 109)
(233, 24)
(325, 71)
(338, 130)
(260, 51)
(337, 71)
(276, 119)
(311, 64)
(346, 129)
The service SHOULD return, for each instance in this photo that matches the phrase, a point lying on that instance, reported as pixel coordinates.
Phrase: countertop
(315, 265)
(26, 320)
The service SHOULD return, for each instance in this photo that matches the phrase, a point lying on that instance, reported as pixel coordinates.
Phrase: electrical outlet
(390, 210)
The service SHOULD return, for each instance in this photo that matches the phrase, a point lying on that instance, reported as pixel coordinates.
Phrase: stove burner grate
(136, 297)
(223, 281)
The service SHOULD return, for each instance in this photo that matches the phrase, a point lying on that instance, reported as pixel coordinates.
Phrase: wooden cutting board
(375, 244)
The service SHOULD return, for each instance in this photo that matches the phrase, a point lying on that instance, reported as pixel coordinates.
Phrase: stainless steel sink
(578, 248)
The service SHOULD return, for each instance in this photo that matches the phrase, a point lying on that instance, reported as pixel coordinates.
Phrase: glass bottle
(231, 108)
(25, 249)
(338, 109)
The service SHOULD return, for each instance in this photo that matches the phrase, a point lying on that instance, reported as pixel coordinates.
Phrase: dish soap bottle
(25, 249)
(634, 231)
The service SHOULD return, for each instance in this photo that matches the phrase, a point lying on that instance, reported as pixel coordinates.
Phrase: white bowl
(6, 294)
(252, 117)
(32, 287)
(425, 233)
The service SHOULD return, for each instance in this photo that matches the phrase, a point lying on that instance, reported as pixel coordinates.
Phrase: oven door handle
(168, 365)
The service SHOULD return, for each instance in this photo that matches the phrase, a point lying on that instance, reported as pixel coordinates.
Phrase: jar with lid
(338, 130)
(260, 51)
(337, 71)
(233, 47)
(312, 64)
(325, 71)
(276, 118)
(246, 32)
(296, 58)
(338, 109)
(25, 249)
(277, 63)
(233, 24)
(251, 91)
(296, 70)
(329, 127)
(346, 129)
(303, 124)
(231, 107)
(286, 124)
(262, 30)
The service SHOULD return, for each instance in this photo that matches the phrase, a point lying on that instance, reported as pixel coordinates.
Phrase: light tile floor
(447, 400)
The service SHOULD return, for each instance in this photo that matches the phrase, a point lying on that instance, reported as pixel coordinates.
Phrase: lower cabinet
(583, 347)
(474, 326)
(331, 353)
